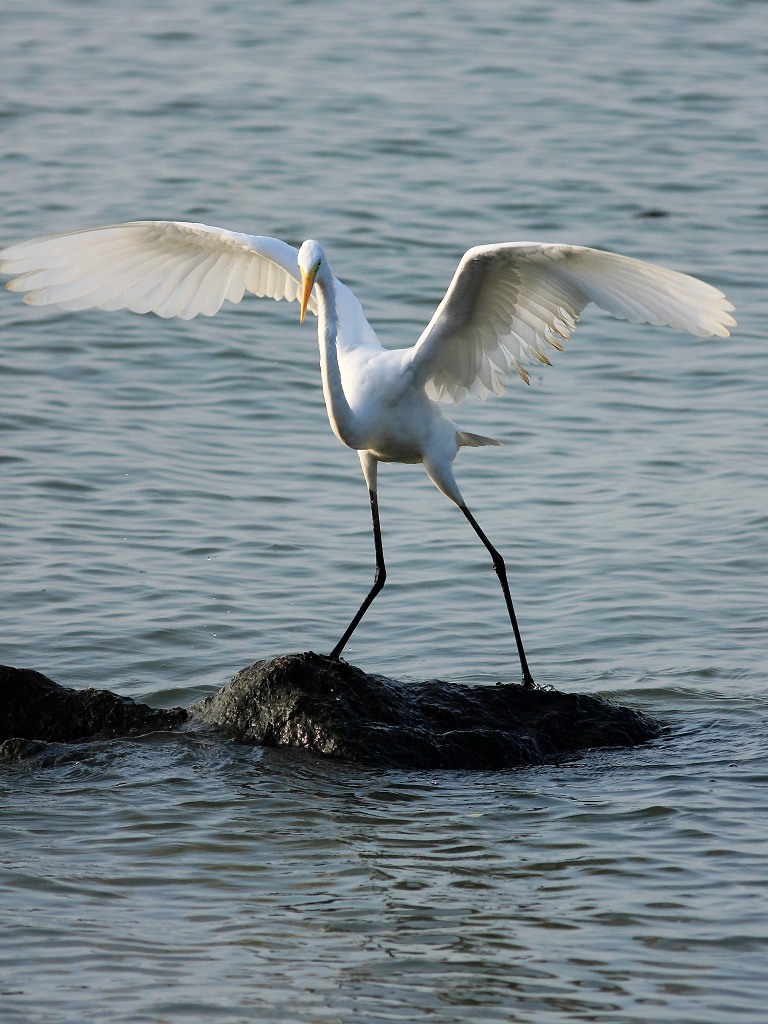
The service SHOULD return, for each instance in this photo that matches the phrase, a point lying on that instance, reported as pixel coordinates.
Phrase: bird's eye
(317, 265)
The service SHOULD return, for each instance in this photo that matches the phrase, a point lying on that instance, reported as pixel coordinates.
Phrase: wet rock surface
(307, 700)
(34, 710)
(333, 708)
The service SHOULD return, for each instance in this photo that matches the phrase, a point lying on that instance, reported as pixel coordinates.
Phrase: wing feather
(508, 302)
(171, 268)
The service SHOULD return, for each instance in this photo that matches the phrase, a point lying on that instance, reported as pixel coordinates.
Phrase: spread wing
(511, 303)
(166, 267)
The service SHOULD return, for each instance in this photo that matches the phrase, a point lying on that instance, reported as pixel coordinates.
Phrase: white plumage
(508, 306)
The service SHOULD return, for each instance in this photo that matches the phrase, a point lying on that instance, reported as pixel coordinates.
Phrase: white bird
(506, 305)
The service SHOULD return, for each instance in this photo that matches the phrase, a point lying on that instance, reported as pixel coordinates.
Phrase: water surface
(175, 506)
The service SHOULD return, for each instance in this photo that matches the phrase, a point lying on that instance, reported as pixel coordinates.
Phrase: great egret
(507, 304)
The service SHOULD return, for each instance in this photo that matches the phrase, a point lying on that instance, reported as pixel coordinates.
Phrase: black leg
(379, 578)
(501, 572)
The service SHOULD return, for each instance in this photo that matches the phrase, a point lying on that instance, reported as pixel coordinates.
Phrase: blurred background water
(174, 506)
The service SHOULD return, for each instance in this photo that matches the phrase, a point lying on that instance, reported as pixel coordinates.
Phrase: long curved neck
(342, 418)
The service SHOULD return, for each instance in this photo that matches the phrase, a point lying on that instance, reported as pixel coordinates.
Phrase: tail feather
(467, 440)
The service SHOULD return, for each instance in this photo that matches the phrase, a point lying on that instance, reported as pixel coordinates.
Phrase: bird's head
(311, 259)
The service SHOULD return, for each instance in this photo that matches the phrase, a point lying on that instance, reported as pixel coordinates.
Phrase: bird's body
(507, 305)
(376, 401)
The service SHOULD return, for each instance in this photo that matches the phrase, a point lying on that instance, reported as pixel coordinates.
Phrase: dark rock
(34, 708)
(19, 749)
(310, 701)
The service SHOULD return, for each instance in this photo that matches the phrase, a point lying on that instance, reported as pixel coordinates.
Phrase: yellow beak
(307, 281)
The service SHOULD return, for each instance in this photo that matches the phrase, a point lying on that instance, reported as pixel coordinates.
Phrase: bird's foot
(528, 684)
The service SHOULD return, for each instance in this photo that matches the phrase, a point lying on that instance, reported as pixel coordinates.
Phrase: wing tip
(522, 373)
(720, 323)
